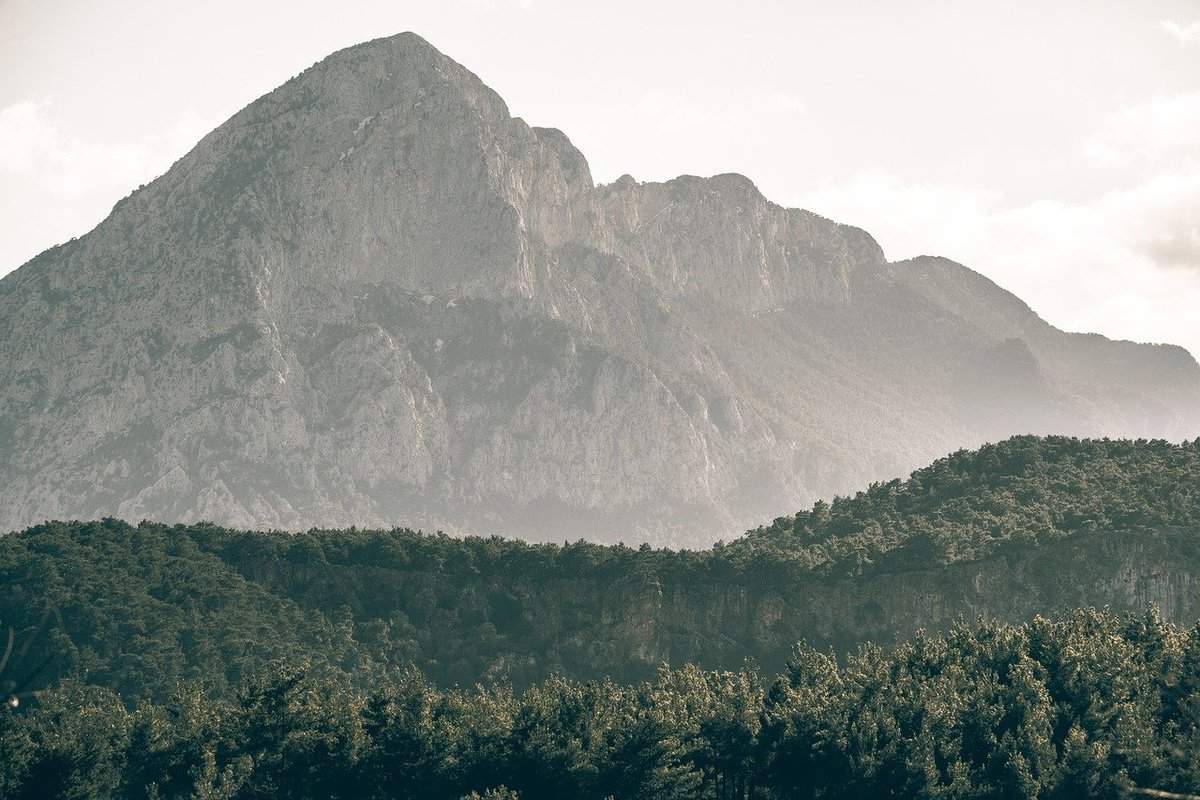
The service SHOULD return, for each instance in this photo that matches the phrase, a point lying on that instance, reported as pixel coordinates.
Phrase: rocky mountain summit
(374, 297)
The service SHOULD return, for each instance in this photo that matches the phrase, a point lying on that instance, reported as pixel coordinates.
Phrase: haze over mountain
(374, 297)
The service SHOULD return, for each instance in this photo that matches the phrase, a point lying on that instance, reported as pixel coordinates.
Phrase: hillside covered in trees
(1088, 705)
(1026, 526)
(1020, 492)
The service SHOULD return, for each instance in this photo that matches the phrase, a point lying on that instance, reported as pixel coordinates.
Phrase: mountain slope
(373, 296)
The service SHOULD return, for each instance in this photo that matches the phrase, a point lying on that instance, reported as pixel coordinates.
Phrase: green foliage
(1019, 492)
(194, 661)
(1087, 705)
(142, 609)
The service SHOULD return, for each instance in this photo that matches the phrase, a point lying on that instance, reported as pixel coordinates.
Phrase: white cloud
(1185, 33)
(33, 146)
(42, 167)
(1166, 127)
(1126, 263)
(1163, 218)
(909, 218)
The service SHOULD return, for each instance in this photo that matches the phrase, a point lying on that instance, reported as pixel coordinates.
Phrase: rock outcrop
(627, 625)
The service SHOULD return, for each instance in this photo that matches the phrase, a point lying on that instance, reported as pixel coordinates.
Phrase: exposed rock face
(626, 627)
(374, 297)
(722, 624)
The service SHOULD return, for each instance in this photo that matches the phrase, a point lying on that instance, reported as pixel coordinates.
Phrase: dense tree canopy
(1018, 492)
(192, 661)
(1088, 705)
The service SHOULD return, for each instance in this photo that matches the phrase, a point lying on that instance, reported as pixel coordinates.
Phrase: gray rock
(373, 297)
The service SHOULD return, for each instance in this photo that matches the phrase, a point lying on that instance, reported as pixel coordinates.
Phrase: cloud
(911, 217)
(43, 167)
(1125, 263)
(1163, 216)
(1166, 127)
(1158, 144)
(1188, 33)
(1131, 232)
(34, 147)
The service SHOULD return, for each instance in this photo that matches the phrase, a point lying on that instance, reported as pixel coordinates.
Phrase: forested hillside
(1020, 492)
(1089, 705)
(1031, 525)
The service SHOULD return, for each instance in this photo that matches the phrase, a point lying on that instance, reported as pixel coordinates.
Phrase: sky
(1052, 146)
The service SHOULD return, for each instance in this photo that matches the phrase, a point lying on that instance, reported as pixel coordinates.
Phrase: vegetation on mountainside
(138, 609)
(1016, 493)
(1089, 705)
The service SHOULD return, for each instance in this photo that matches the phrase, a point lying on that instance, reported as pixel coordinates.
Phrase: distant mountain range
(373, 297)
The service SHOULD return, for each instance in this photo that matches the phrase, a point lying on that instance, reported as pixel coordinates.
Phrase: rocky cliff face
(627, 626)
(373, 296)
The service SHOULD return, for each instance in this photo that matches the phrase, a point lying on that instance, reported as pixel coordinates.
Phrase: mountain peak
(405, 45)
(374, 76)
(736, 182)
(374, 296)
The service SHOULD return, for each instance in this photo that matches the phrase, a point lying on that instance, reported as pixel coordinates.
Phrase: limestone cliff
(375, 297)
(628, 624)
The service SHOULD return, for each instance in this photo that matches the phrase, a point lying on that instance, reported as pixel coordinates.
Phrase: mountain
(1025, 527)
(375, 297)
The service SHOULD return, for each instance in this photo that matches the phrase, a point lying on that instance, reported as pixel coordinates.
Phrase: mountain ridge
(373, 295)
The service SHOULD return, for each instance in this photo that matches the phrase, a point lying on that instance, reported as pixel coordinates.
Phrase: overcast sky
(1052, 145)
